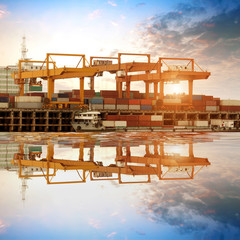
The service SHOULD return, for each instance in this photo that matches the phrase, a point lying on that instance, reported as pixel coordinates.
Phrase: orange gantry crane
(156, 73)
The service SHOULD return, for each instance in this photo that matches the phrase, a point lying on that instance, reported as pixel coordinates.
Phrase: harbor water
(120, 185)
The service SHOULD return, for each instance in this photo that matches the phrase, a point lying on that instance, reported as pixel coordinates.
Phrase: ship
(87, 121)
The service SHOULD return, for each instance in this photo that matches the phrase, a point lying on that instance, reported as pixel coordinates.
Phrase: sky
(206, 30)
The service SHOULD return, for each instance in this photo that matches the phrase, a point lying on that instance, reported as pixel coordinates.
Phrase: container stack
(109, 103)
(230, 105)
(28, 102)
(96, 103)
(134, 104)
(4, 100)
(146, 104)
(122, 104)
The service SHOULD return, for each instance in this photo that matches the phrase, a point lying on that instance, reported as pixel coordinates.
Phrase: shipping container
(28, 99)
(60, 99)
(144, 123)
(108, 123)
(144, 118)
(134, 102)
(230, 102)
(146, 102)
(113, 117)
(172, 101)
(97, 106)
(230, 108)
(201, 123)
(156, 117)
(212, 108)
(134, 107)
(122, 107)
(197, 97)
(132, 124)
(109, 106)
(122, 101)
(28, 105)
(211, 103)
(121, 124)
(96, 101)
(132, 117)
(156, 123)
(146, 107)
(184, 123)
(54, 99)
(4, 99)
(4, 104)
(63, 95)
(109, 101)
(35, 88)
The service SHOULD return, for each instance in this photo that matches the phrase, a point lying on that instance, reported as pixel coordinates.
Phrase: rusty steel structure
(156, 73)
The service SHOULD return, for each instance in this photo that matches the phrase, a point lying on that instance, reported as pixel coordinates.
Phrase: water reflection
(136, 160)
(192, 189)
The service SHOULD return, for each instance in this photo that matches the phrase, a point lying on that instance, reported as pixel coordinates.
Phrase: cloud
(206, 31)
(115, 24)
(95, 14)
(94, 223)
(3, 11)
(112, 234)
(3, 226)
(112, 3)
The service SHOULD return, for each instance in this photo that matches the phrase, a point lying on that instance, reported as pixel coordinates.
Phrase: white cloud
(3, 11)
(115, 24)
(95, 14)
(94, 223)
(112, 3)
(112, 234)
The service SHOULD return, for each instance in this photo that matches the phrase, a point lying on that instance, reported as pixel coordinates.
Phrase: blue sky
(206, 30)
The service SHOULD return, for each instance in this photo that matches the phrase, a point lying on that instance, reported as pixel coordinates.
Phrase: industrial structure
(156, 73)
(125, 169)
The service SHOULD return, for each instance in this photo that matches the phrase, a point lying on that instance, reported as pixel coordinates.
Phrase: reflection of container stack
(4, 102)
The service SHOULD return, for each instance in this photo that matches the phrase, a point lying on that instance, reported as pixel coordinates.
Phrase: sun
(176, 88)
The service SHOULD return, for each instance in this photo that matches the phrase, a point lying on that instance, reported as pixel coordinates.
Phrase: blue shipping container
(96, 101)
(54, 99)
(197, 97)
(4, 99)
(146, 107)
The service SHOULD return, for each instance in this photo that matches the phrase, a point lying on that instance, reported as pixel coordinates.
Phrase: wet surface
(133, 185)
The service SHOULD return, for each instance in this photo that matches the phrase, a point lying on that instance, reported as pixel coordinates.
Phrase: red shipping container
(134, 102)
(146, 102)
(11, 99)
(144, 123)
(4, 94)
(199, 108)
(199, 103)
(211, 103)
(74, 99)
(207, 98)
(230, 108)
(144, 118)
(123, 117)
(113, 117)
(132, 118)
(122, 101)
(109, 101)
(132, 123)
(156, 123)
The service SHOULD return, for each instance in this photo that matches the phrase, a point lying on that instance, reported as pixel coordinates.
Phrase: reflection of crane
(165, 166)
(151, 73)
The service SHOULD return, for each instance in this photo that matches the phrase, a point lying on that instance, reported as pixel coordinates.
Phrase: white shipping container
(108, 123)
(156, 117)
(134, 107)
(97, 106)
(222, 123)
(212, 108)
(122, 107)
(109, 106)
(28, 105)
(28, 99)
(4, 105)
(174, 100)
(230, 102)
(184, 123)
(201, 123)
(120, 123)
(62, 99)
(216, 122)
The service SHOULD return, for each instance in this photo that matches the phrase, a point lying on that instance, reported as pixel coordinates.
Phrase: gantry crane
(156, 73)
(159, 164)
